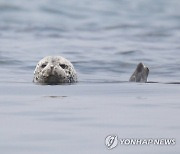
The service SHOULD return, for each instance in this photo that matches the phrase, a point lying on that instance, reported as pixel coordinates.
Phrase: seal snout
(140, 67)
(51, 66)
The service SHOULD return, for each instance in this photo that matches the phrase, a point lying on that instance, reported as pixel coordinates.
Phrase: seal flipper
(140, 74)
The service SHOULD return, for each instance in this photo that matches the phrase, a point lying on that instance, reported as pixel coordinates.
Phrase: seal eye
(147, 69)
(43, 65)
(63, 66)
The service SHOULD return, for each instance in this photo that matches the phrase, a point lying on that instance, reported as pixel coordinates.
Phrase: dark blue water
(105, 40)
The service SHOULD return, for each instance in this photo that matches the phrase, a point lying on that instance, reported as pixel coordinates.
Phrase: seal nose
(52, 66)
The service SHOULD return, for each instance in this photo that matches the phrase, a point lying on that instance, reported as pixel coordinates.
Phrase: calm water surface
(104, 40)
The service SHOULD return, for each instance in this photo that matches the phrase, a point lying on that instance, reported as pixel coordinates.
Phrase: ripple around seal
(9, 8)
(130, 52)
(9, 61)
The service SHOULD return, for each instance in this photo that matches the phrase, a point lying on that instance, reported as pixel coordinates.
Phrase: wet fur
(140, 74)
(54, 70)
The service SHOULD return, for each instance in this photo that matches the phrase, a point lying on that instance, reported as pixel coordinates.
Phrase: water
(105, 40)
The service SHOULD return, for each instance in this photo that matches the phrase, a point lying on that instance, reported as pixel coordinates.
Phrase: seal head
(54, 70)
(140, 74)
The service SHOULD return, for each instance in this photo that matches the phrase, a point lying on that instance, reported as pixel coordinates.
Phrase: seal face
(140, 74)
(54, 70)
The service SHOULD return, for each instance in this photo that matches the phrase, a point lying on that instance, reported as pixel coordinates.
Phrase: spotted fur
(54, 70)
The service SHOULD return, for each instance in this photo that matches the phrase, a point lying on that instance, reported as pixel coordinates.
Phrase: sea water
(104, 40)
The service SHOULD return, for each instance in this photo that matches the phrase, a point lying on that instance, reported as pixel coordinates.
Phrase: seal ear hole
(43, 65)
(63, 66)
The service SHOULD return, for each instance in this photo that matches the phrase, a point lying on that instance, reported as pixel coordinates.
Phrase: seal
(54, 70)
(140, 74)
